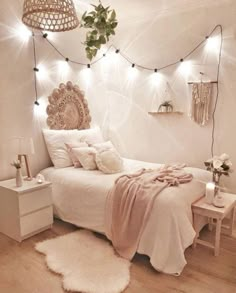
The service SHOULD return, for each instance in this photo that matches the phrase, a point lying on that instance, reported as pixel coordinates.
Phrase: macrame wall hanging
(201, 101)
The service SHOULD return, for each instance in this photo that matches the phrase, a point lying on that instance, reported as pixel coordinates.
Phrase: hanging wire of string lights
(136, 65)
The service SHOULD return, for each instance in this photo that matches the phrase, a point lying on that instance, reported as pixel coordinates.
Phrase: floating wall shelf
(164, 113)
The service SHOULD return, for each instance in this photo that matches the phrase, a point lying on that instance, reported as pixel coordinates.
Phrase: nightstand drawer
(35, 221)
(34, 200)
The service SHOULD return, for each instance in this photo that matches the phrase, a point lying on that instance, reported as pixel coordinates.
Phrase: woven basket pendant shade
(50, 15)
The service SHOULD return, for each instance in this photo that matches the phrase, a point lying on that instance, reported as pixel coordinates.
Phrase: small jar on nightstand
(25, 210)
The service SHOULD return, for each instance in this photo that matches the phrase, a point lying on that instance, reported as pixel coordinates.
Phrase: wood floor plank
(23, 270)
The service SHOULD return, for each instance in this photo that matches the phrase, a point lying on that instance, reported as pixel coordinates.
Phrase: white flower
(224, 157)
(217, 163)
(228, 163)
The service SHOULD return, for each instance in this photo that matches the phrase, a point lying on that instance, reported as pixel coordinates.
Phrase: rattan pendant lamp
(50, 15)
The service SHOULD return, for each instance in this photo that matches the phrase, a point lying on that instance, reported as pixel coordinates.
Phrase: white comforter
(79, 197)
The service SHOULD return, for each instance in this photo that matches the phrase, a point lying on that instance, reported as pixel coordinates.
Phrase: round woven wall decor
(68, 109)
(50, 15)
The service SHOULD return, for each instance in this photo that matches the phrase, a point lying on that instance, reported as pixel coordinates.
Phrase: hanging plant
(102, 23)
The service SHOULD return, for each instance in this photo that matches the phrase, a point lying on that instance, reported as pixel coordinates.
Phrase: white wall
(152, 33)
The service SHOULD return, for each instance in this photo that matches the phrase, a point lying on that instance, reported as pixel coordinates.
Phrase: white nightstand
(25, 210)
(203, 211)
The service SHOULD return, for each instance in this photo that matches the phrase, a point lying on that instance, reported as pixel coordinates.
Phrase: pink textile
(130, 201)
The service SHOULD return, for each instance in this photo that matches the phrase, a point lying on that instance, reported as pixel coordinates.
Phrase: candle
(210, 192)
(40, 181)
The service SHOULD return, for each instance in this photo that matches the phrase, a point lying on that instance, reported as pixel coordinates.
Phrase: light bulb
(213, 43)
(185, 67)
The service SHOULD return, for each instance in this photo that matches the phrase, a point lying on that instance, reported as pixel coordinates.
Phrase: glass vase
(19, 178)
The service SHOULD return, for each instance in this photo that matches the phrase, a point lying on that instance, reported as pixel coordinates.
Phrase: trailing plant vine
(102, 23)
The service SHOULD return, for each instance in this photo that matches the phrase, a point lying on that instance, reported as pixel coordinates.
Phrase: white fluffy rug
(87, 263)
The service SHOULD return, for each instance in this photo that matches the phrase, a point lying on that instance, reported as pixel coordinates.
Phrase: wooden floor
(23, 270)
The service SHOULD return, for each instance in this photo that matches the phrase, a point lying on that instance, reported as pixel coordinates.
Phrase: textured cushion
(70, 147)
(86, 156)
(55, 141)
(109, 161)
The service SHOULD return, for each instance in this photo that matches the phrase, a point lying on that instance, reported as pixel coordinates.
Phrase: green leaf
(89, 19)
(114, 24)
(97, 44)
(84, 14)
(113, 15)
(102, 39)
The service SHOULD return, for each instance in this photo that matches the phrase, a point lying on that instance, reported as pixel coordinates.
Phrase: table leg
(196, 228)
(217, 237)
(210, 224)
(231, 227)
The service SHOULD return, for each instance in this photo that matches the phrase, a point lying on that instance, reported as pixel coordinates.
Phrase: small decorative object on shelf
(218, 165)
(19, 178)
(166, 107)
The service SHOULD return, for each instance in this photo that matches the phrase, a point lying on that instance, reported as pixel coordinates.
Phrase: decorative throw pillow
(86, 156)
(102, 146)
(109, 161)
(70, 147)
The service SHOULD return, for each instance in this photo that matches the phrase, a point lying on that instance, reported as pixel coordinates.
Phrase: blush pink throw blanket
(130, 201)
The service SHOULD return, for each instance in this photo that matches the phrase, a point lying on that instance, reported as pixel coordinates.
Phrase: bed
(79, 197)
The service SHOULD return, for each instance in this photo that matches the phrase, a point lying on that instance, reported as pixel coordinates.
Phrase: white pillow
(56, 139)
(70, 147)
(91, 136)
(86, 156)
(102, 146)
(109, 161)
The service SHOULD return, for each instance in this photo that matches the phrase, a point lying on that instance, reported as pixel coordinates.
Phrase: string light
(132, 72)
(212, 43)
(23, 33)
(63, 68)
(185, 67)
(42, 73)
(207, 38)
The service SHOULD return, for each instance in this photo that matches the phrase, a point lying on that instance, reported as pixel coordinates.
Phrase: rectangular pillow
(91, 136)
(70, 147)
(55, 141)
(86, 156)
